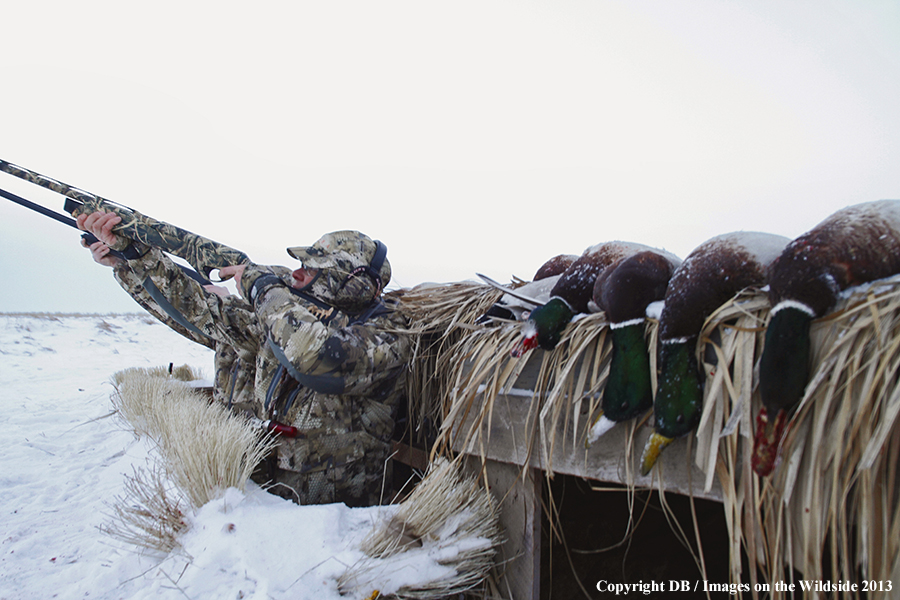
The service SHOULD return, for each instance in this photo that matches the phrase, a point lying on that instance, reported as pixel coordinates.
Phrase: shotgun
(202, 253)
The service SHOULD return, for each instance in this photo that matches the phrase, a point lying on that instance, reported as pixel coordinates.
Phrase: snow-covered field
(64, 459)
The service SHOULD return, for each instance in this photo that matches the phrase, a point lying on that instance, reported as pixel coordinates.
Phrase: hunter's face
(303, 277)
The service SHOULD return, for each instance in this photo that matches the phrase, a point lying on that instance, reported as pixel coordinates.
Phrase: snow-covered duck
(855, 245)
(571, 295)
(710, 276)
(623, 291)
(554, 266)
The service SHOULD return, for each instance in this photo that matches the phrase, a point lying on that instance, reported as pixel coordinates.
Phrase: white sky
(469, 136)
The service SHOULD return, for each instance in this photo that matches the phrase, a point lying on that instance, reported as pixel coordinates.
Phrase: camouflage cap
(345, 252)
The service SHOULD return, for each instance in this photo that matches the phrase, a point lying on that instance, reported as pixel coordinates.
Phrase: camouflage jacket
(335, 377)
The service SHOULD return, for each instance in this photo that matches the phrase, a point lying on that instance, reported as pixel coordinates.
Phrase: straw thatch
(830, 510)
(442, 314)
(471, 367)
(448, 518)
(202, 449)
(731, 342)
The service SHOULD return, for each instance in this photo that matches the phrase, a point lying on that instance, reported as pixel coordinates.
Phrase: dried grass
(731, 342)
(450, 518)
(442, 315)
(151, 513)
(469, 366)
(202, 449)
(476, 368)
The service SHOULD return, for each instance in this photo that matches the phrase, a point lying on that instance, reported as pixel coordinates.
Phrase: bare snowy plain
(65, 458)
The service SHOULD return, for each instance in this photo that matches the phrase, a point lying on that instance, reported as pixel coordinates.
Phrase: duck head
(628, 392)
(679, 396)
(678, 404)
(544, 326)
(783, 375)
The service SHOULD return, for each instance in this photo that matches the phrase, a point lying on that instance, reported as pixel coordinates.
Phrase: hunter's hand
(218, 290)
(232, 271)
(101, 254)
(100, 224)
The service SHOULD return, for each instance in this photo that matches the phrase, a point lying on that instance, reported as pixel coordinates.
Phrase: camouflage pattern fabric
(235, 379)
(343, 259)
(201, 253)
(134, 286)
(343, 251)
(349, 371)
(327, 350)
(341, 452)
(232, 337)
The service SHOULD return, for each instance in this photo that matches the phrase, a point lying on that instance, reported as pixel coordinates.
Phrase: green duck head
(628, 392)
(544, 326)
(783, 375)
(679, 397)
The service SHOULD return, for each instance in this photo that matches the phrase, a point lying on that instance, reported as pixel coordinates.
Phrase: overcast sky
(469, 136)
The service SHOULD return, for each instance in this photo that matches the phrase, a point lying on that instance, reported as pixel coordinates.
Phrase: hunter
(318, 349)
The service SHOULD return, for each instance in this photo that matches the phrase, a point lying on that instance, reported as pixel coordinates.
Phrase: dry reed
(448, 517)
(151, 513)
(442, 315)
(201, 450)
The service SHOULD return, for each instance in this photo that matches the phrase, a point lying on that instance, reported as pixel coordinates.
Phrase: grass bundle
(478, 368)
(441, 314)
(564, 394)
(572, 378)
(202, 449)
(151, 514)
(462, 367)
(448, 517)
(731, 343)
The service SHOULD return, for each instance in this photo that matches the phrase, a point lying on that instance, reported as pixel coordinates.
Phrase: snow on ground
(64, 458)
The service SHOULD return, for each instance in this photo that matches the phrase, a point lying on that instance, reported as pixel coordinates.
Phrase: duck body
(710, 276)
(623, 291)
(858, 244)
(625, 288)
(554, 266)
(576, 284)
